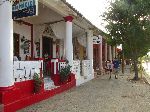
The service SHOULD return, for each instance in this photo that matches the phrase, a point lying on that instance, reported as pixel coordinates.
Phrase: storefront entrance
(47, 46)
(95, 56)
(16, 44)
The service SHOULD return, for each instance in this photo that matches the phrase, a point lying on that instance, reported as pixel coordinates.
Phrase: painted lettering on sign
(24, 8)
(23, 5)
(97, 39)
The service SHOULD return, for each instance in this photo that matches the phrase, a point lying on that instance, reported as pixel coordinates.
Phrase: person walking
(109, 68)
(116, 67)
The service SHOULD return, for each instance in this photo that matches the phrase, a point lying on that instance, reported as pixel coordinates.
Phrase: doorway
(47, 46)
(95, 56)
(16, 44)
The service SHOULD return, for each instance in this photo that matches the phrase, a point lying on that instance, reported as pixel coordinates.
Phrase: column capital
(89, 32)
(68, 18)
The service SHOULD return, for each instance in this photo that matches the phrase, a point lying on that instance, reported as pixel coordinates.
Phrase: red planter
(56, 79)
(22, 95)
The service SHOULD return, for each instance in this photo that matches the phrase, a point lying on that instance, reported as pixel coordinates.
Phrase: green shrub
(37, 83)
(64, 73)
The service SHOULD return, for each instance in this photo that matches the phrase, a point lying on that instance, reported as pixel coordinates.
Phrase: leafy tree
(129, 25)
(146, 58)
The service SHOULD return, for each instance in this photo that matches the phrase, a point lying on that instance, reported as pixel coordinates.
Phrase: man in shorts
(116, 67)
(109, 67)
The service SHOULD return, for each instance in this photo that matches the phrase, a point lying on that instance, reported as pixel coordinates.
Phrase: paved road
(99, 95)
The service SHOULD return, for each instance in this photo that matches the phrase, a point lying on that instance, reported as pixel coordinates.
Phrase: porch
(41, 45)
(53, 38)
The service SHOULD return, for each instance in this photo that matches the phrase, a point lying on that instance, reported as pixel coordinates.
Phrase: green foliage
(64, 73)
(129, 25)
(146, 58)
(37, 83)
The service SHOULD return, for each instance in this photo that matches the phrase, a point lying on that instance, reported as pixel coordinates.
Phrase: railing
(25, 70)
(57, 65)
(86, 68)
(79, 68)
(76, 68)
(61, 65)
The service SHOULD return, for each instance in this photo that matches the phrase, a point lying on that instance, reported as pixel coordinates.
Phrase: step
(48, 84)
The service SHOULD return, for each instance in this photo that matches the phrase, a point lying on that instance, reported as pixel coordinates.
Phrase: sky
(92, 10)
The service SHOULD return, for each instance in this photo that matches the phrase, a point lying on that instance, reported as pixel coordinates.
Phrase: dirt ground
(100, 95)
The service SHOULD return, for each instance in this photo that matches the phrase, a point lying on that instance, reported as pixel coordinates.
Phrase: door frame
(50, 45)
(18, 36)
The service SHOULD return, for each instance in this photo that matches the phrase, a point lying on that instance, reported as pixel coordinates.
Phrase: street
(100, 95)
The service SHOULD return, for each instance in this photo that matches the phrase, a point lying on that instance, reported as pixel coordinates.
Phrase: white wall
(25, 30)
(38, 33)
(22, 30)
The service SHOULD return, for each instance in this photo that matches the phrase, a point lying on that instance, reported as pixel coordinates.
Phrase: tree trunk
(141, 68)
(135, 69)
(123, 62)
(135, 62)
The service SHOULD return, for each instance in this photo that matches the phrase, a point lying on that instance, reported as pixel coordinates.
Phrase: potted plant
(65, 73)
(37, 83)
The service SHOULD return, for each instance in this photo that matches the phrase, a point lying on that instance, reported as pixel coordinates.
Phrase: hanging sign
(24, 8)
(97, 39)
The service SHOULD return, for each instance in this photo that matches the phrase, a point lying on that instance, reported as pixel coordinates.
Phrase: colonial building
(41, 44)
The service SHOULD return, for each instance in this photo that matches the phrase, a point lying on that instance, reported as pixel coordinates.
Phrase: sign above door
(24, 8)
(97, 39)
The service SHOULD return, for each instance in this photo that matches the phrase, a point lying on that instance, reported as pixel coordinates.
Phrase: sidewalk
(100, 95)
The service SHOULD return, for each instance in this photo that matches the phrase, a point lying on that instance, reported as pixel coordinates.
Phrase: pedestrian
(116, 67)
(109, 67)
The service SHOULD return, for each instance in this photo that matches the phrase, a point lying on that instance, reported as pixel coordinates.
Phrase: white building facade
(58, 31)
